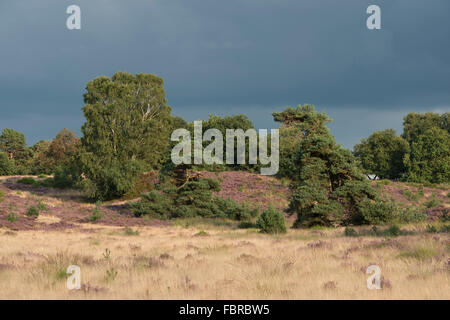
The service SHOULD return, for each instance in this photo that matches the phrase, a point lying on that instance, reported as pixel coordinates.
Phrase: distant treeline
(127, 133)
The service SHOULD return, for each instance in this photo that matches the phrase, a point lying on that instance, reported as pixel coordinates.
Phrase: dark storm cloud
(236, 56)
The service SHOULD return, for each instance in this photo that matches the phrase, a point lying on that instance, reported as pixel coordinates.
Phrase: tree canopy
(328, 188)
(429, 159)
(382, 154)
(13, 144)
(415, 124)
(126, 132)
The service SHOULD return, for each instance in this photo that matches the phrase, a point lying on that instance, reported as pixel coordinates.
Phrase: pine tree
(328, 188)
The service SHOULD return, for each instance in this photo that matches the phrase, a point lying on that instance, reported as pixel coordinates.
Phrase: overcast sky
(226, 57)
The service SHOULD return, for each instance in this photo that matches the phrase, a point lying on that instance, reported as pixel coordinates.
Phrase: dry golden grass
(225, 263)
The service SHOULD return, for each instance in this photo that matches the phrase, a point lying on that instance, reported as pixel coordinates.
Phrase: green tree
(41, 163)
(7, 165)
(292, 130)
(126, 132)
(183, 193)
(429, 159)
(382, 154)
(233, 122)
(271, 221)
(51, 155)
(328, 188)
(13, 143)
(415, 124)
(63, 148)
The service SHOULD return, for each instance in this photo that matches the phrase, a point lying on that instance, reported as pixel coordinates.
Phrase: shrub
(7, 165)
(2, 196)
(434, 202)
(42, 206)
(49, 183)
(32, 211)
(247, 225)
(431, 229)
(62, 178)
(110, 180)
(234, 210)
(393, 231)
(438, 229)
(445, 228)
(145, 183)
(378, 212)
(412, 214)
(12, 217)
(131, 232)
(192, 199)
(96, 215)
(271, 221)
(111, 275)
(350, 232)
(27, 181)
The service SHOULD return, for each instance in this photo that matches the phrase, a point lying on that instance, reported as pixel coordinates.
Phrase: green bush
(12, 217)
(193, 199)
(438, 229)
(42, 206)
(32, 211)
(431, 229)
(27, 181)
(7, 165)
(433, 202)
(235, 211)
(145, 183)
(49, 183)
(96, 214)
(378, 212)
(272, 221)
(350, 232)
(384, 182)
(393, 231)
(62, 178)
(412, 214)
(247, 225)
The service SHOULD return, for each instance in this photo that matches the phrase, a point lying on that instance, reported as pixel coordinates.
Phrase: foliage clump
(429, 159)
(328, 187)
(126, 133)
(32, 211)
(7, 165)
(183, 194)
(271, 221)
(382, 154)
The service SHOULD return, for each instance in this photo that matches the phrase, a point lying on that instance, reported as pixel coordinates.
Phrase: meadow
(123, 257)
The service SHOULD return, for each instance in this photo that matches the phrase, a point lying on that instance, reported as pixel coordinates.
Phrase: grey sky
(224, 57)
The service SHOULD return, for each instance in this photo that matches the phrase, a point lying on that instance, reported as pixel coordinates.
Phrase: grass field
(219, 263)
(198, 259)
